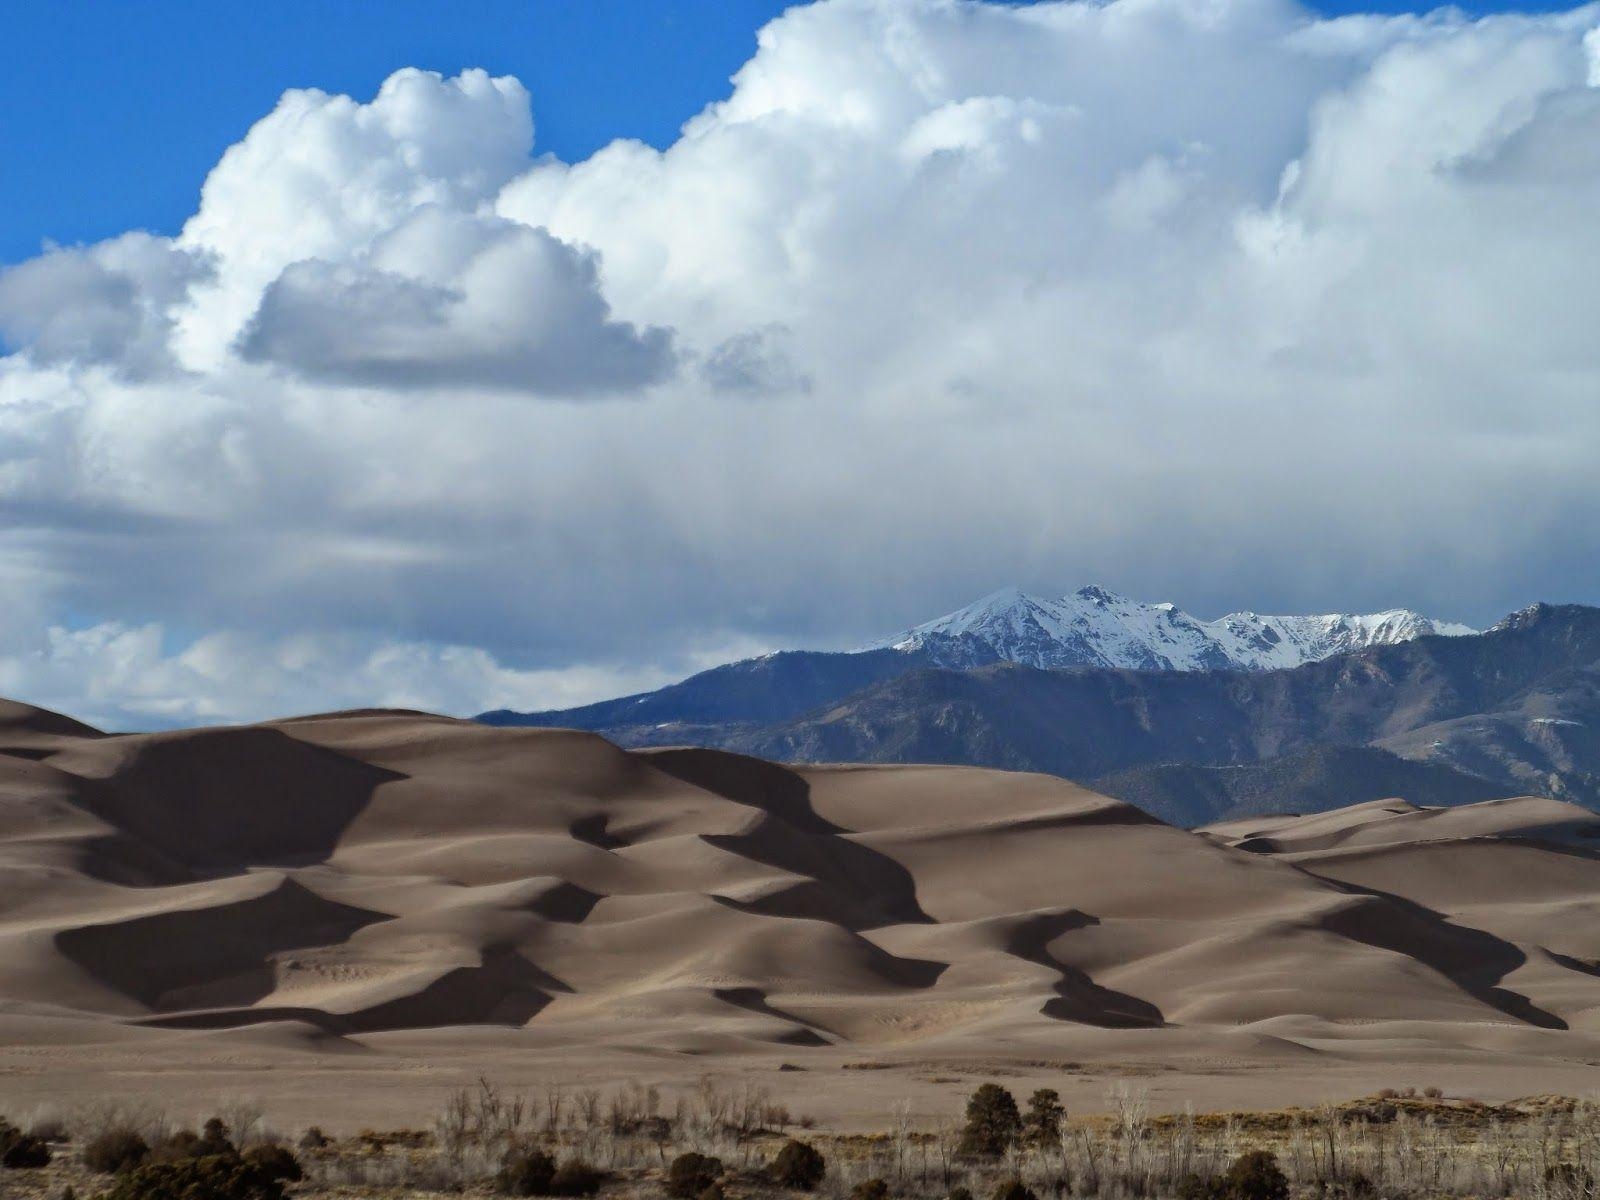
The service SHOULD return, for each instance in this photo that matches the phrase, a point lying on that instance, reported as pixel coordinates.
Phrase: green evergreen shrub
(993, 1123)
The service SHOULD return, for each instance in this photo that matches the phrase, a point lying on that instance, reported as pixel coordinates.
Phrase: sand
(347, 915)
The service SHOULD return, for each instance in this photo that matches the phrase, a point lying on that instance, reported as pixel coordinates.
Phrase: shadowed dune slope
(365, 873)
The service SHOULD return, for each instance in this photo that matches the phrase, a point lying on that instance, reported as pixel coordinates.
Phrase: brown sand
(348, 915)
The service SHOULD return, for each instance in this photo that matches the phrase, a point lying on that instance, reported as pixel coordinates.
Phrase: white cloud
(131, 677)
(109, 304)
(447, 299)
(1208, 299)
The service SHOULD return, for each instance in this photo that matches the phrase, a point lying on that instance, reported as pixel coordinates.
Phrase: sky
(528, 353)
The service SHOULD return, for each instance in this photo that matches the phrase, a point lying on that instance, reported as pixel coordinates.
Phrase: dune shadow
(1474, 960)
(202, 957)
(751, 999)
(214, 801)
(1078, 998)
(505, 989)
(794, 837)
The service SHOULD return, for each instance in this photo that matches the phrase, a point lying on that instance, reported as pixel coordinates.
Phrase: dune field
(348, 915)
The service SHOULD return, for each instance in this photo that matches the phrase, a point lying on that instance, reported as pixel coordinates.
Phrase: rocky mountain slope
(1518, 706)
(1090, 628)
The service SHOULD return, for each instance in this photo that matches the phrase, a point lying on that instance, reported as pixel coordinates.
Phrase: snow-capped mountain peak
(1095, 627)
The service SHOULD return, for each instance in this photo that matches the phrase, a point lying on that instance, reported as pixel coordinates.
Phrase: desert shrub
(870, 1189)
(1379, 1112)
(691, 1174)
(214, 1177)
(526, 1173)
(993, 1123)
(1041, 1124)
(575, 1177)
(798, 1165)
(1433, 1092)
(1254, 1176)
(214, 1139)
(49, 1128)
(1568, 1180)
(184, 1144)
(276, 1162)
(1352, 1185)
(177, 1146)
(21, 1151)
(1012, 1189)
(115, 1151)
(314, 1139)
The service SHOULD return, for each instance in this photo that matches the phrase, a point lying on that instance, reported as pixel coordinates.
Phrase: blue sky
(149, 94)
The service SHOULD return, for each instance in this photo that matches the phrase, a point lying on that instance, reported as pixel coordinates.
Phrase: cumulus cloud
(446, 299)
(1210, 300)
(110, 304)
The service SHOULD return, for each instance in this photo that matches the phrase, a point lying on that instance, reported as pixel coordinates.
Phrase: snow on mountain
(1096, 628)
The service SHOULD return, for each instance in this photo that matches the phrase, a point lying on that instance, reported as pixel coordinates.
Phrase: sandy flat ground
(348, 916)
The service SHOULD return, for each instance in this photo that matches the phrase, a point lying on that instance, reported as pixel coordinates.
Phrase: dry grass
(1540, 1148)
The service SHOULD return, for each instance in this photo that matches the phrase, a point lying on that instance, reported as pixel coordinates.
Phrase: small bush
(575, 1177)
(115, 1151)
(21, 1151)
(798, 1166)
(526, 1173)
(50, 1129)
(1433, 1093)
(314, 1139)
(692, 1174)
(1568, 1179)
(178, 1146)
(870, 1189)
(276, 1162)
(214, 1139)
(1254, 1176)
(1351, 1185)
(1012, 1189)
(214, 1177)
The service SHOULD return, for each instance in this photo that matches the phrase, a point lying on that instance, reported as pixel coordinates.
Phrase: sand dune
(346, 882)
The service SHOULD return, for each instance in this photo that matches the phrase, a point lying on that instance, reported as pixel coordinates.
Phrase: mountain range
(1106, 691)
(1094, 627)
